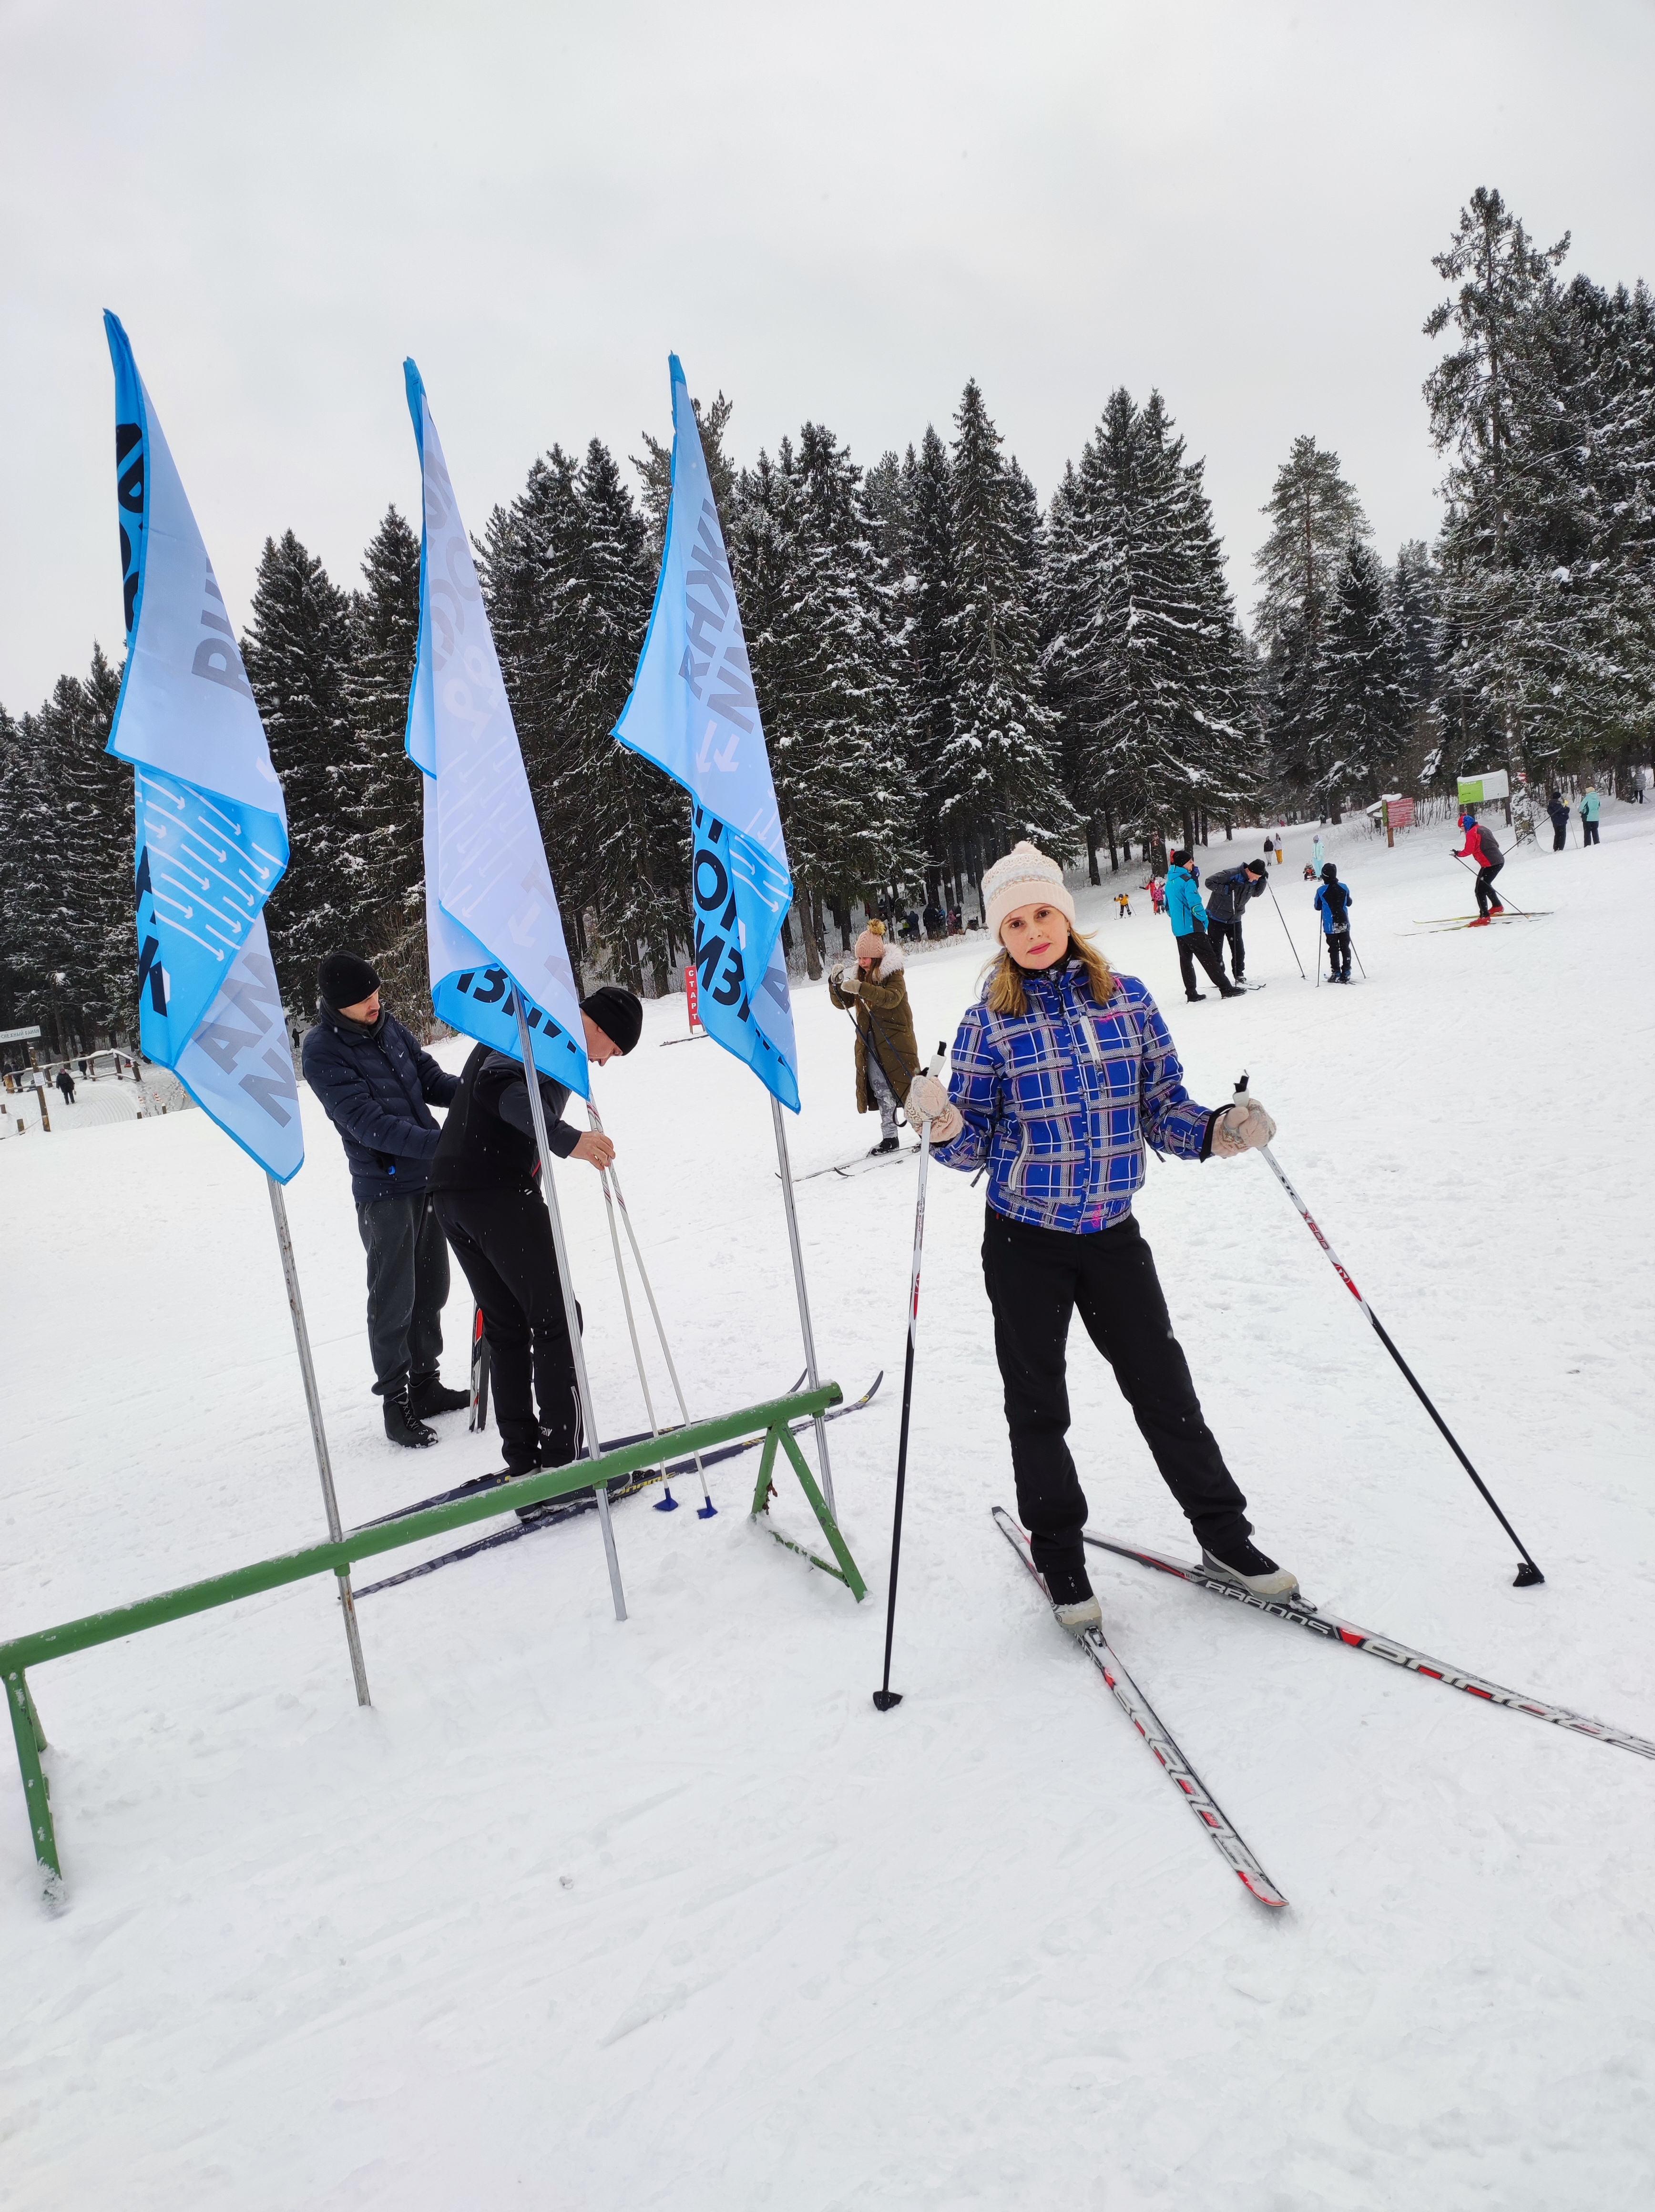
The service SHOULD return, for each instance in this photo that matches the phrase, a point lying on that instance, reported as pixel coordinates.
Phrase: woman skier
(1481, 846)
(873, 986)
(1333, 904)
(1060, 1072)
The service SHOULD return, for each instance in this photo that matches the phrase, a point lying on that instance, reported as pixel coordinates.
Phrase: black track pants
(1220, 933)
(1487, 895)
(1037, 1277)
(1194, 947)
(1590, 829)
(503, 1242)
(407, 1288)
(1338, 953)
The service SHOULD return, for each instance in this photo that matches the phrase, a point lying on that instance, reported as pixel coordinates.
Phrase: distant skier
(1123, 901)
(1227, 897)
(1333, 904)
(1157, 896)
(1189, 919)
(1481, 846)
(1061, 1073)
(1560, 821)
(1317, 855)
(873, 986)
(483, 1181)
(1591, 807)
(66, 1084)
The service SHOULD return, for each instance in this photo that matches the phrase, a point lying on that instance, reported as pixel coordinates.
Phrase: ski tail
(1226, 1839)
(480, 1371)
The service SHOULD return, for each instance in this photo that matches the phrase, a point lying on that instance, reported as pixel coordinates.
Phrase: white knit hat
(1025, 877)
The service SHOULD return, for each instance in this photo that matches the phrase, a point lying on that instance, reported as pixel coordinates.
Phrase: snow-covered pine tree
(1313, 514)
(996, 775)
(66, 942)
(933, 608)
(1414, 602)
(635, 863)
(297, 652)
(654, 467)
(384, 626)
(1361, 705)
(1160, 688)
(818, 628)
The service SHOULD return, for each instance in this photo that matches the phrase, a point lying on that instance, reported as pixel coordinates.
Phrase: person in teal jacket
(1188, 916)
(1591, 807)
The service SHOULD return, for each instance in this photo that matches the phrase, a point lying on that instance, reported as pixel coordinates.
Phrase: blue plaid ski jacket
(1059, 1101)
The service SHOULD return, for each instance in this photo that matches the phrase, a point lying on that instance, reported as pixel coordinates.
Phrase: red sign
(692, 995)
(1398, 813)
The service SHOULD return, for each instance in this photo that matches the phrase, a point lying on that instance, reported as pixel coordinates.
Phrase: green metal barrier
(772, 1421)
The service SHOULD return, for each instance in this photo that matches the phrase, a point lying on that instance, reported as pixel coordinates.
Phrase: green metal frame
(20, 1653)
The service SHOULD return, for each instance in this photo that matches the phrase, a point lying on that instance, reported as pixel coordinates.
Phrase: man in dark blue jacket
(379, 1087)
(1226, 896)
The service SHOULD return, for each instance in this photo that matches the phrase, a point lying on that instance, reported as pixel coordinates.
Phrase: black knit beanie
(345, 978)
(617, 1014)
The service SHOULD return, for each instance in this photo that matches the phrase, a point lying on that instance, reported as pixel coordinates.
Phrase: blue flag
(492, 924)
(692, 710)
(212, 828)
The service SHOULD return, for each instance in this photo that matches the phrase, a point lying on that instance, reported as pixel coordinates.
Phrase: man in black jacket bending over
(379, 1087)
(495, 1218)
(1226, 896)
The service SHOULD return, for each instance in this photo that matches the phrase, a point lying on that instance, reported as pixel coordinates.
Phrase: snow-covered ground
(665, 1914)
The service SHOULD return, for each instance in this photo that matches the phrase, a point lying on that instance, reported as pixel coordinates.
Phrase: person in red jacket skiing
(1481, 846)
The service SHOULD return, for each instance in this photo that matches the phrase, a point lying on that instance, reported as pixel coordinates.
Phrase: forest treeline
(944, 664)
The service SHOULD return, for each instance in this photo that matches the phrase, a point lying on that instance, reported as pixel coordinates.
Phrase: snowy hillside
(665, 1915)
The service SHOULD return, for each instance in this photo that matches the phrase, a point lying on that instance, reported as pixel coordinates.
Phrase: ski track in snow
(665, 1914)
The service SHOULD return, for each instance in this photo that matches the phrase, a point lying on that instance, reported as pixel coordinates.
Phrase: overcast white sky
(836, 211)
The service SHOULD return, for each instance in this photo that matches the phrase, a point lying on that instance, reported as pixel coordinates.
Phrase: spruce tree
(297, 653)
(1362, 701)
(384, 626)
(996, 775)
(1314, 513)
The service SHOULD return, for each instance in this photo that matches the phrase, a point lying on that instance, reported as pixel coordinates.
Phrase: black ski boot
(427, 1395)
(1193, 995)
(885, 1144)
(402, 1427)
(1245, 1564)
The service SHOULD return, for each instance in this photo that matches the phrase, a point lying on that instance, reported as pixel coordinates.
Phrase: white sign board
(20, 1036)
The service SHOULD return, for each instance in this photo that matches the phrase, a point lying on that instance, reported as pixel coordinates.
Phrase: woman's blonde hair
(1004, 994)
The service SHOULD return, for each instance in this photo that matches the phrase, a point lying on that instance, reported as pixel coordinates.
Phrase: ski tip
(884, 1699)
(1259, 1885)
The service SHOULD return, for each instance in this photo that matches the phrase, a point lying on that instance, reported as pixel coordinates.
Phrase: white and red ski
(1329, 1626)
(1143, 1716)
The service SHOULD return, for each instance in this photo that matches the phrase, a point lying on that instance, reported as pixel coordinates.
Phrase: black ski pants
(1591, 829)
(1194, 947)
(1338, 953)
(1487, 895)
(1036, 1280)
(1220, 933)
(407, 1288)
(1559, 836)
(503, 1242)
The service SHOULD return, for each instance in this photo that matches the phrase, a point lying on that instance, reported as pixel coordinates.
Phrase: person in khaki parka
(873, 987)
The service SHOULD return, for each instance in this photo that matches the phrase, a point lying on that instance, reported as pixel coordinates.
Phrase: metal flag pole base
(571, 1312)
(884, 1696)
(318, 1434)
(785, 1165)
(706, 1510)
(1528, 1573)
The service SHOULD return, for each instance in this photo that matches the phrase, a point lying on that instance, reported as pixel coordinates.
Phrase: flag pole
(318, 1434)
(804, 1301)
(571, 1313)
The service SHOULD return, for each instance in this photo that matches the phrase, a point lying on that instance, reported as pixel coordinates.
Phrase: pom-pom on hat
(1026, 876)
(871, 945)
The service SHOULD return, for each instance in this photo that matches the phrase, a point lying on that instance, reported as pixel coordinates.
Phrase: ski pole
(1286, 931)
(1528, 1573)
(706, 1510)
(885, 1697)
(1357, 957)
(1493, 893)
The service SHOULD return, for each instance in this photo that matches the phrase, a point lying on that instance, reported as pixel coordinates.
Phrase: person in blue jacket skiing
(1062, 1072)
(378, 1087)
(1333, 902)
(1189, 919)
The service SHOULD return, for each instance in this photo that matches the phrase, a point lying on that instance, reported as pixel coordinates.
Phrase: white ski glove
(849, 976)
(1244, 1126)
(928, 1101)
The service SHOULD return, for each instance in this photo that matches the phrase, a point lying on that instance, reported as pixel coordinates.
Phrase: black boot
(402, 1427)
(427, 1395)
(885, 1144)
